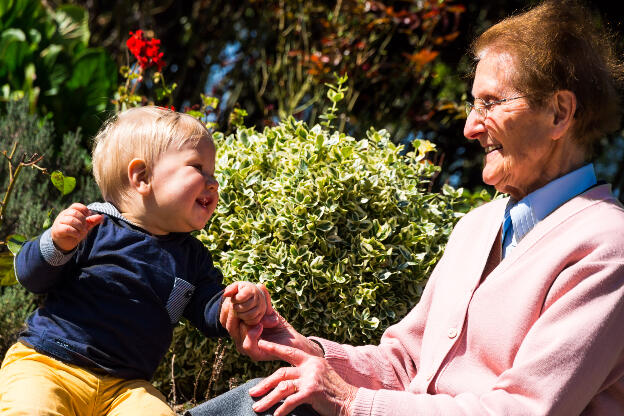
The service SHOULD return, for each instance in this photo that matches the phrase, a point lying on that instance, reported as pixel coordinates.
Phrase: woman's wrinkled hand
(311, 380)
(272, 327)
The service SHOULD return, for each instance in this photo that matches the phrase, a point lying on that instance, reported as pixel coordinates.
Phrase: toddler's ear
(138, 176)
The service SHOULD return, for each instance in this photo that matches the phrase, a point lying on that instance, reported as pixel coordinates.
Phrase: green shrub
(15, 305)
(34, 196)
(341, 231)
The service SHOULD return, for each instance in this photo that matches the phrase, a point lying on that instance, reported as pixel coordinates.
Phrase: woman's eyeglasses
(482, 106)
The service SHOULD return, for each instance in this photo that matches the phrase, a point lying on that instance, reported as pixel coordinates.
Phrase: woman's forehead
(493, 75)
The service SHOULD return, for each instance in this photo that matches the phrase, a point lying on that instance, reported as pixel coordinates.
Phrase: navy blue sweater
(113, 302)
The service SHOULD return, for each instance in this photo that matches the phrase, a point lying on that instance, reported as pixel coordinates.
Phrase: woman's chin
(491, 177)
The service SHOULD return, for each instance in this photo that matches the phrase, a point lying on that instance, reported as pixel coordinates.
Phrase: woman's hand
(312, 380)
(273, 327)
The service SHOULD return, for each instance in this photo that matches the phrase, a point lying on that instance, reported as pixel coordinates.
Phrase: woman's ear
(564, 106)
(138, 176)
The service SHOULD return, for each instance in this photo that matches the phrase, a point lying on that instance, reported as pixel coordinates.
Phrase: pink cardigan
(543, 334)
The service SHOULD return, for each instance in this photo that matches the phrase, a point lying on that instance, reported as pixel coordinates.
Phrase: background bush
(15, 305)
(34, 199)
(34, 196)
(343, 233)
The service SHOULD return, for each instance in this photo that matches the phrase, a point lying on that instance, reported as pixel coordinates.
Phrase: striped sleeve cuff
(52, 255)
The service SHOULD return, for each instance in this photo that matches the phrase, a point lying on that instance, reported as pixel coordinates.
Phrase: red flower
(169, 107)
(145, 51)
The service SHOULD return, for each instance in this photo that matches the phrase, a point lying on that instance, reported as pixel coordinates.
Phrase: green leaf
(90, 81)
(65, 184)
(7, 274)
(13, 49)
(73, 26)
(15, 243)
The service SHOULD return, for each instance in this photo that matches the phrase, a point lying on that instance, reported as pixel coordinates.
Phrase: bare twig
(173, 388)
(14, 172)
(201, 369)
(337, 10)
(216, 367)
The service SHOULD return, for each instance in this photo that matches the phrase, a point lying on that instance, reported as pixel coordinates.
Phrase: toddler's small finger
(231, 290)
(93, 220)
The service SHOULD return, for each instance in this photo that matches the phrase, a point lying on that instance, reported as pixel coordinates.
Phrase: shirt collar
(110, 210)
(537, 205)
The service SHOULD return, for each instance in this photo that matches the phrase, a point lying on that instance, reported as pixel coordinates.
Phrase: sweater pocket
(179, 298)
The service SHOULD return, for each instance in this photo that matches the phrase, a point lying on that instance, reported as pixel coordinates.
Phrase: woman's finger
(272, 381)
(290, 403)
(293, 356)
(249, 341)
(233, 324)
(282, 391)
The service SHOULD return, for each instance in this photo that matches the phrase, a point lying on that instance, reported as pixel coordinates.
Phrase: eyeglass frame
(482, 112)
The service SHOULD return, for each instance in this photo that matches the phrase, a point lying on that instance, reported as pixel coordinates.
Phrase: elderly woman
(523, 314)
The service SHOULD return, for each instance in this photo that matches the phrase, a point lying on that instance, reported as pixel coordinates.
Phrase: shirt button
(188, 294)
(452, 333)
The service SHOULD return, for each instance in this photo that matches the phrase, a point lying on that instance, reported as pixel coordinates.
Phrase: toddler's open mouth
(204, 202)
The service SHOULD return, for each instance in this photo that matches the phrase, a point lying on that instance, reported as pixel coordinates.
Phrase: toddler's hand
(72, 225)
(248, 301)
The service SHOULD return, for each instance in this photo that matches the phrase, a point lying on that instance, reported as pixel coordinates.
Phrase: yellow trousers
(35, 384)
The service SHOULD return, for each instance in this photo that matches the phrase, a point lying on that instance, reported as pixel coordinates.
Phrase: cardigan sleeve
(572, 351)
(393, 363)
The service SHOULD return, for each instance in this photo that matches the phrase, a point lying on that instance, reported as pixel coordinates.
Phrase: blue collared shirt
(534, 207)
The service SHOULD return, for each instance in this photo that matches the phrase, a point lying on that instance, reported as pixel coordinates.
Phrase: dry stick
(14, 172)
(216, 367)
(173, 389)
(201, 369)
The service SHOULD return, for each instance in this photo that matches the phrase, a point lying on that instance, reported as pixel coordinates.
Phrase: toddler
(119, 275)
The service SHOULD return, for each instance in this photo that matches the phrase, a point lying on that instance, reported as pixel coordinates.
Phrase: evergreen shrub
(35, 198)
(343, 233)
(16, 303)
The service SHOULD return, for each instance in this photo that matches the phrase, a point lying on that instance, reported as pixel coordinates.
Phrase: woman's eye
(198, 167)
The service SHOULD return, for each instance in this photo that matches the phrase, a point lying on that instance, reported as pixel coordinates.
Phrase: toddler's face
(184, 189)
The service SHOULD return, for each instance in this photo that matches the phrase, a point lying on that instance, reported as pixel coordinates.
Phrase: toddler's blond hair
(140, 132)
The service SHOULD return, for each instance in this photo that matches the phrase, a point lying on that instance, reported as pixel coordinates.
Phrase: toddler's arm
(39, 264)
(248, 302)
(72, 225)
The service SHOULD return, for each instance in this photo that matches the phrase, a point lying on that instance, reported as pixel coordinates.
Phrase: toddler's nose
(212, 184)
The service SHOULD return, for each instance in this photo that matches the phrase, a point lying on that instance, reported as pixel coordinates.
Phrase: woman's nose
(474, 126)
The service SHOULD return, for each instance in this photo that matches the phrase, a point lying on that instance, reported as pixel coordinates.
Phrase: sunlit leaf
(7, 274)
(65, 184)
(15, 243)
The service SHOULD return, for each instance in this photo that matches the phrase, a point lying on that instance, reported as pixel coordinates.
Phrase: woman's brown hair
(557, 45)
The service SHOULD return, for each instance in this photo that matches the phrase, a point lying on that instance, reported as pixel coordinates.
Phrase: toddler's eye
(198, 167)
